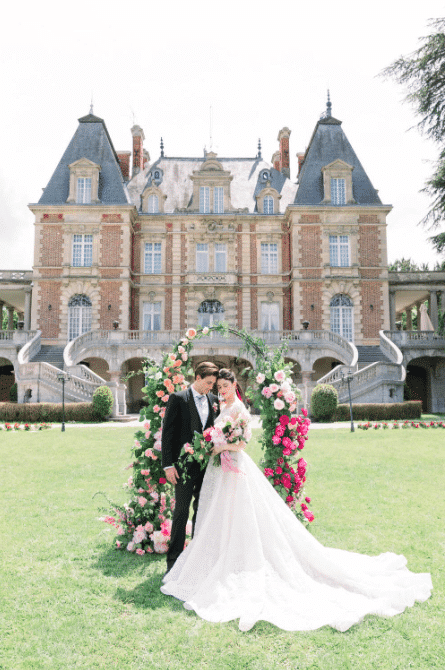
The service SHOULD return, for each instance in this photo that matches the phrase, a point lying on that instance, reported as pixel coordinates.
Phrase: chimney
(276, 161)
(146, 158)
(283, 138)
(124, 163)
(300, 161)
(138, 149)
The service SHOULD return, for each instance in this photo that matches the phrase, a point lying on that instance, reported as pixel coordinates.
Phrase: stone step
(370, 354)
(49, 354)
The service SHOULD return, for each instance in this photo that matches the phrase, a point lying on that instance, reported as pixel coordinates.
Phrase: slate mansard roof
(245, 185)
(329, 143)
(91, 140)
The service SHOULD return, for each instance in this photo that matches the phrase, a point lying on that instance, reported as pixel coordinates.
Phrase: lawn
(69, 600)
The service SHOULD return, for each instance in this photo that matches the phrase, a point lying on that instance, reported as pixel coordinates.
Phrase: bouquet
(234, 431)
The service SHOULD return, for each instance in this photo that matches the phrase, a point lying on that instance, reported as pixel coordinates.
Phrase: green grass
(69, 600)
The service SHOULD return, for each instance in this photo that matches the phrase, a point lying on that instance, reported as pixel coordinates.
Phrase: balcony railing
(294, 338)
(415, 338)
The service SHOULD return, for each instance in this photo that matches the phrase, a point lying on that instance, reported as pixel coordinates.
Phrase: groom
(187, 412)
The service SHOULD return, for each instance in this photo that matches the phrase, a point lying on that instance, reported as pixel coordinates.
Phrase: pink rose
(284, 419)
(303, 506)
(304, 412)
(278, 404)
(162, 480)
(142, 501)
(276, 439)
(165, 398)
(191, 333)
(266, 392)
(287, 442)
(185, 356)
(156, 408)
(118, 544)
(280, 376)
(268, 472)
(279, 470)
(141, 552)
(260, 378)
(155, 496)
(289, 499)
(308, 514)
(274, 388)
(181, 349)
(130, 546)
(205, 330)
(308, 500)
(148, 527)
(287, 451)
(289, 397)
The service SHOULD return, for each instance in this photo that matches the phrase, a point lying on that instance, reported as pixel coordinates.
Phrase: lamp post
(63, 377)
(348, 378)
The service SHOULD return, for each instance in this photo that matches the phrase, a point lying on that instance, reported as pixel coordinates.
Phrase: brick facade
(310, 247)
(372, 317)
(111, 254)
(51, 246)
(110, 303)
(49, 294)
(369, 246)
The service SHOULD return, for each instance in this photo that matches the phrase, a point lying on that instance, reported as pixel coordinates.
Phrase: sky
(253, 67)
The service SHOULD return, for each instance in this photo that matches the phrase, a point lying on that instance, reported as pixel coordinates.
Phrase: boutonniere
(215, 406)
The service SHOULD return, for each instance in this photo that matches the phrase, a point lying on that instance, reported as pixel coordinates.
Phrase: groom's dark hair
(206, 369)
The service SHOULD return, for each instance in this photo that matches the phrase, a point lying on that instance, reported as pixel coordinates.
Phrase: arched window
(210, 313)
(268, 204)
(341, 316)
(79, 316)
(153, 204)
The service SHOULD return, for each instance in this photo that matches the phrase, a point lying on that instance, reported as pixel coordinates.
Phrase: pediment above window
(211, 187)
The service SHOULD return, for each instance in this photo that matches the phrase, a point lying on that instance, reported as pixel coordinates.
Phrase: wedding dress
(252, 559)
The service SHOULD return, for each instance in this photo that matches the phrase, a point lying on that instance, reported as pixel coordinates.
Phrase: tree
(422, 73)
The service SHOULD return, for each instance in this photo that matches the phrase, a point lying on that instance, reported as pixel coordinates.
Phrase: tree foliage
(422, 73)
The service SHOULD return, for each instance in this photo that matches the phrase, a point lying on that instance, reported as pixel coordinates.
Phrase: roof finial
(259, 148)
(329, 106)
(91, 105)
(162, 148)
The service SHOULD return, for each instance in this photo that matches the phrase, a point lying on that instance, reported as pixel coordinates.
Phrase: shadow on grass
(119, 563)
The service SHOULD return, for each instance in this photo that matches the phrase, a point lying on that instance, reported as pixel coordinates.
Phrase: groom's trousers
(183, 497)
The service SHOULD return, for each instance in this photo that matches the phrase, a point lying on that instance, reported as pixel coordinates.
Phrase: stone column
(409, 319)
(418, 306)
(1, 314)
(10, 318)
(28, 292)
(392, 310)
(434, 316)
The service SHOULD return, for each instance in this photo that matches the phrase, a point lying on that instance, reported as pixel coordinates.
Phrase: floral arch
(143, 525)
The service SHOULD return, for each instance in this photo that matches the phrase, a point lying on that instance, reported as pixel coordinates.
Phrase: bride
(252, 559)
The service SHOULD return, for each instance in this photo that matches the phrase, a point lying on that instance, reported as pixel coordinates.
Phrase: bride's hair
(225, 373)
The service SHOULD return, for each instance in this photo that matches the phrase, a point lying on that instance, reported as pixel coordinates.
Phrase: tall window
(204, 199)
(268, 204)
(341, 316)
(84, 190)
(220, 257)
(210, 313)
(152, 316)
(270, 316)
(338, 191)
(152, 258)
(218, 200)
(82, 251)
(153, 204)
(269, 258)
(79, 315)
(202, 257)
(339, 251)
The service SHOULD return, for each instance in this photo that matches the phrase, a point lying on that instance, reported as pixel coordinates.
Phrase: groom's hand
(171, 475)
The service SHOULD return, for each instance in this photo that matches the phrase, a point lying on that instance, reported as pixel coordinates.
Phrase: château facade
(130, 252)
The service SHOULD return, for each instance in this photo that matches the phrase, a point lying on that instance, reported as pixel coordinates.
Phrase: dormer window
(265, 175)
(153, 200)
(268, 204)
(338, 191)
(211, 187)
(157, 175)
(84, 182)
(337, 182)
(204, 200)
(153, 204)
(83, 190)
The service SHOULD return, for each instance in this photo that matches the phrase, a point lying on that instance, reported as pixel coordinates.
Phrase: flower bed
(405, 424)
(27, 426)
(143, 524)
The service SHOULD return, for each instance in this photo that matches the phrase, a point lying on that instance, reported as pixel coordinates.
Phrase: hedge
(47, 412)
(411, 409)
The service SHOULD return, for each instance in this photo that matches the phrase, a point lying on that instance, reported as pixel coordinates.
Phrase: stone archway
(7, 378)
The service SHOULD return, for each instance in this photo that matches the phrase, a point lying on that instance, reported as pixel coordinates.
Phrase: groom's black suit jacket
(180, 423)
